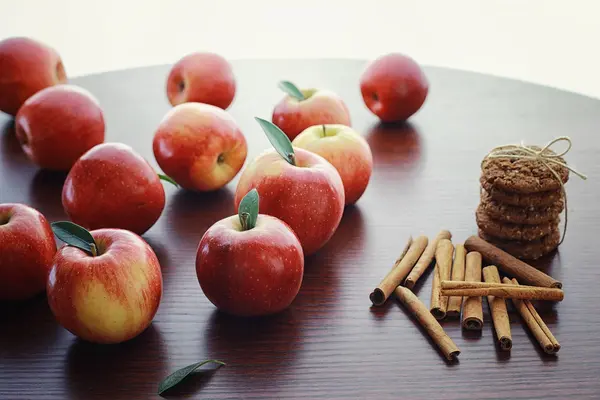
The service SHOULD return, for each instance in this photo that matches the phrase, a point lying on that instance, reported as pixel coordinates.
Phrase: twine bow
(545, 156)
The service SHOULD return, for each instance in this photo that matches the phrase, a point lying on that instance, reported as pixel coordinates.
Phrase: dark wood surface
(330, 343)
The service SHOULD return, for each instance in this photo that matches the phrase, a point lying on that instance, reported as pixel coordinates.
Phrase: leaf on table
(178, 376)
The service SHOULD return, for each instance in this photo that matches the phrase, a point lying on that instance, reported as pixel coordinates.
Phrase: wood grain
(330, 343)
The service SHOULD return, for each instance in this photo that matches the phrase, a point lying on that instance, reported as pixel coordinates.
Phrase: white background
(552, 42)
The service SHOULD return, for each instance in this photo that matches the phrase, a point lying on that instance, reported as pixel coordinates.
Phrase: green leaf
(176, 377)
(75, 235)
(248, 210)
(168, 179)
(291, 89)
(278, 139)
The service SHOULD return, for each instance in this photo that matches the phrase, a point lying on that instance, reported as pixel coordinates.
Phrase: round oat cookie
(509, 231)
(523, 175)
(520, 215)
(525, 250)
(540, 199)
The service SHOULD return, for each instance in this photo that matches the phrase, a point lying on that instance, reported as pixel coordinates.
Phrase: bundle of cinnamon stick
(459, 285)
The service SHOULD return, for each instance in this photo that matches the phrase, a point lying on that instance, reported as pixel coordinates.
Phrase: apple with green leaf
(301, 108)
(250, 264)
(104, 286)
(200, 146)
(27, 248)
(297, 186)
(112, 186)
(346, 150)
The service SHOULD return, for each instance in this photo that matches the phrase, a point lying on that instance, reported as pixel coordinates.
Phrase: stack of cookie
(521, 202)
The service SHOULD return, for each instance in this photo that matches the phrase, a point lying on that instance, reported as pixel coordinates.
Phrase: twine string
(546, 157)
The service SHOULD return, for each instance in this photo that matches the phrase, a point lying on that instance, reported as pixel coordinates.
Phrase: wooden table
(330, 343)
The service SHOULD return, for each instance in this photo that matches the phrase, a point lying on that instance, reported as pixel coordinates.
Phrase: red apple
(307, 194)
(58, 124)
(394, 87)
(27, 247)
(319, 106)
(202, 78)
(200, 146)
(26, 67)
(109, 297)
(346, 150)
(250, 269)
(112, 186)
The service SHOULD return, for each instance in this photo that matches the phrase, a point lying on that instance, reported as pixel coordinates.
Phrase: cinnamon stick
(498, 310)
(531, 322)
(450, 288)
(472, 317)
(540, 321)
(443, 264)
(425, 259)
(401, 268)
(458, 274)
(511, 265)
(428, 322)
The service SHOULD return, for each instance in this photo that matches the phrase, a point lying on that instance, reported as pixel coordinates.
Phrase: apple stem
(244, 219)
(324, 133)
(248, 210)
(293, 159)
(94, 249)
